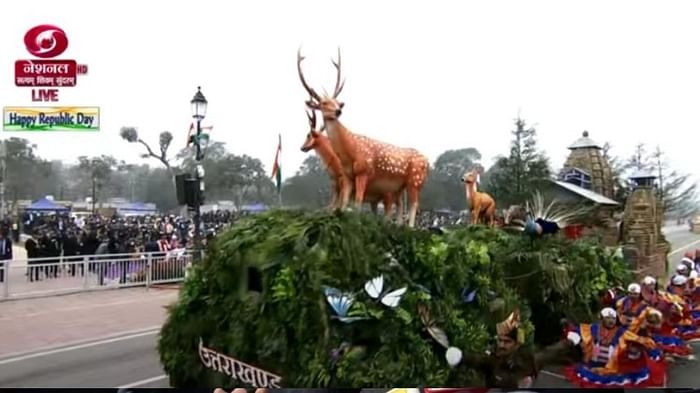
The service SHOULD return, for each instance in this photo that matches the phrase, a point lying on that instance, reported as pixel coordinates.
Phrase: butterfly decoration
(375, 288)
(431, 327)
(337, 353)
(341, 304)
(468, 296)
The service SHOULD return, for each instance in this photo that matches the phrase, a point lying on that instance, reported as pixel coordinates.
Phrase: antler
(308, 88)
(312, 118)
(338, 83)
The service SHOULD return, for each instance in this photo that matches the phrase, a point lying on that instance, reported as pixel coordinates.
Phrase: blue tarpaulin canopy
(45, 205)
(258, 207)
(137, 206)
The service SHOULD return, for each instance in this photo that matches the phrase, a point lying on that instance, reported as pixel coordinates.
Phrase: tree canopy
(243, 179)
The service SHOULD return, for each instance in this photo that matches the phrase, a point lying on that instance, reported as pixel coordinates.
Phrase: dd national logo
(46, 42)
(45, 74)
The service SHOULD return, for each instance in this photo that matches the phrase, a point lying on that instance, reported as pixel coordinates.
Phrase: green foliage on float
(259, 296)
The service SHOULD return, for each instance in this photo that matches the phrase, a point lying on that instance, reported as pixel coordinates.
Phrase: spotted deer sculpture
(341, 184)
(341, 188)
(373, 166)
(481, 205)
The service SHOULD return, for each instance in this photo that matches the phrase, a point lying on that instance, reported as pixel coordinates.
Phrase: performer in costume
(679, 283)
(694, 289)
(689, 260)
(510, 365)
(630, 306)
(674, 309)
(685, 287)
(680, 286)
(650, 323)
(682, 270)
(653, 297)
(613, 356)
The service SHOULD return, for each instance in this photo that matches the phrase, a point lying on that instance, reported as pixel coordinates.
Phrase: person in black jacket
(48, 248)
(71, 252)
(32, 253)
(5, 252)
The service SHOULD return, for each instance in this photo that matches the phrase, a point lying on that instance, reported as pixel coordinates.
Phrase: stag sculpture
(371, 164)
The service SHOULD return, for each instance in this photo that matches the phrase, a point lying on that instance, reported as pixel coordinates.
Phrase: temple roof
(584, 143)
(642, 174)
(588, 194)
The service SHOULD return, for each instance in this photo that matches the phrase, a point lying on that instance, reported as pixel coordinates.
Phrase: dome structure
(587, 167)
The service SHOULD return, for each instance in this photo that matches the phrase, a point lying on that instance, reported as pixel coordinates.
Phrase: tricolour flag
(276, 168)
(192, 129)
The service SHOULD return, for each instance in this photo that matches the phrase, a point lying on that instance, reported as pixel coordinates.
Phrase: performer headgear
(679, 280)
(634, 289)
(688, 262)
(510, 327)
(607, 298)
(608, 312)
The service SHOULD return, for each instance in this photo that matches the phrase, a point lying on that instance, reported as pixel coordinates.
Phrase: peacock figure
(538, 218)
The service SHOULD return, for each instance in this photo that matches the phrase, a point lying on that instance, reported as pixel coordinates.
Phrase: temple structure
(586, 179)
(587, 166)
(644, 245)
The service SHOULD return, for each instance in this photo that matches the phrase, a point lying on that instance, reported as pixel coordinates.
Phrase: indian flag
(276, 169)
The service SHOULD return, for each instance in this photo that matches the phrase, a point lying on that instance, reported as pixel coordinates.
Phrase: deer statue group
(371, 169)
(342, 186)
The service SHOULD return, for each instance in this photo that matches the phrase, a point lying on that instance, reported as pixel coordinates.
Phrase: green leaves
(289, 328)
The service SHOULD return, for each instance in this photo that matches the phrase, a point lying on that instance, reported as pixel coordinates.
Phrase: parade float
(338, 299)
(287, 293)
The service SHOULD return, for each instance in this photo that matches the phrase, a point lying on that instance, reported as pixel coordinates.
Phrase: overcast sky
(432, 74)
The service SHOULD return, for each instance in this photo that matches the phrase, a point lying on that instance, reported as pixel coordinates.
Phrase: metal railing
(38, 277)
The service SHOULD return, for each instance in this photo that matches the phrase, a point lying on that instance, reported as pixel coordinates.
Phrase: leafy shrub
(258, 296)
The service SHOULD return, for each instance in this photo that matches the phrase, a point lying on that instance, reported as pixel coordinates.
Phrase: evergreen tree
(617, 167)
(519, 174)
(639, 160)
(678, 194)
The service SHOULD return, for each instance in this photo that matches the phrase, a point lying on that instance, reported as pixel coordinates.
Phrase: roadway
(131, 360)
(107, 363)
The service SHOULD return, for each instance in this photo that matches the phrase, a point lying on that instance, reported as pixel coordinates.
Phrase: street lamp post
(94, 186)
(3, 174)
(199, 140)
(93, 168)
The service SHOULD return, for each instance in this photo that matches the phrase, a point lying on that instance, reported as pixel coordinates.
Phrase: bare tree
(131, 135)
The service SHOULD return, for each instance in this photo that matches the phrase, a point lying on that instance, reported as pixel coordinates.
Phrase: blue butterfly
(468, 296)
(340, 303)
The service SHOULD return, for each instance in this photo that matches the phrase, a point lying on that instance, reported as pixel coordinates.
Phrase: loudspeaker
(187, 189)
(180, 181)
(192, 193)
